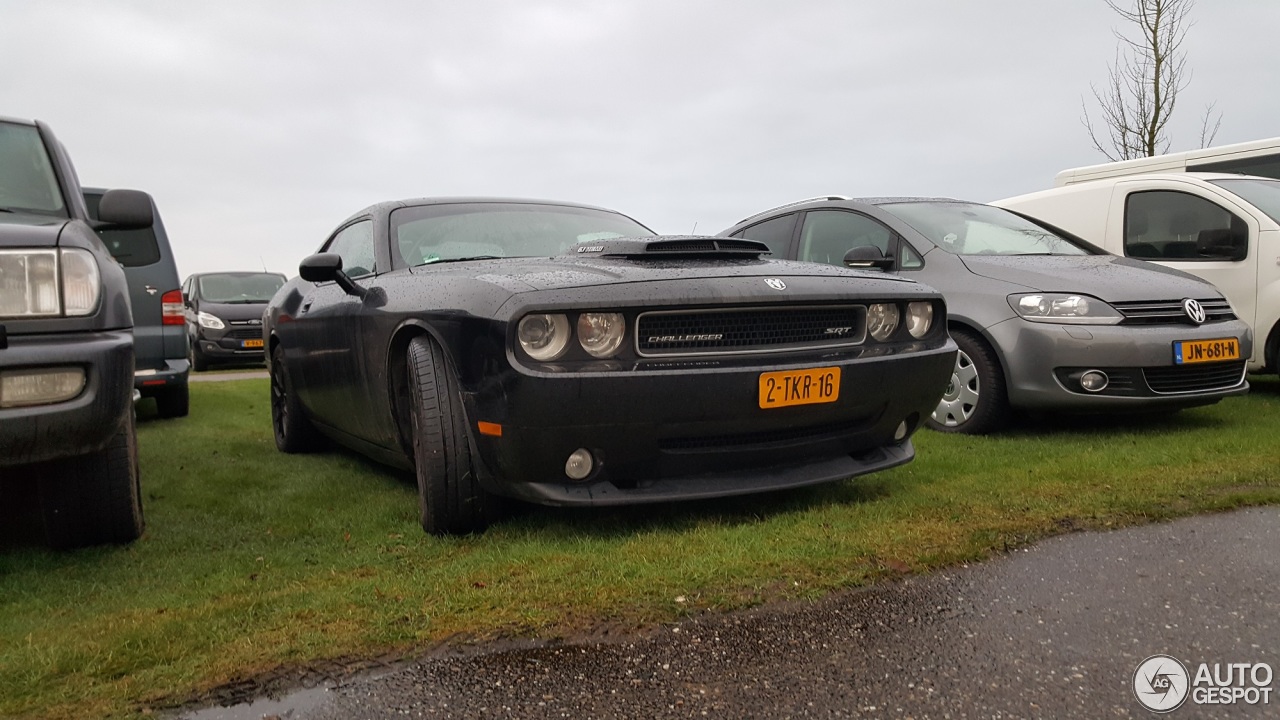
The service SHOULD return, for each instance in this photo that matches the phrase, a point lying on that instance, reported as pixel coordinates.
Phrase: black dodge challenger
(565, 355)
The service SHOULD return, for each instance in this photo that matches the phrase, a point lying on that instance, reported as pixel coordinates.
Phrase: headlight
(81, 283)
(48, 283)
(882, 320)
(919, 318)
(543, 337)
(1064, 308)
(209, 321)
(600, 334)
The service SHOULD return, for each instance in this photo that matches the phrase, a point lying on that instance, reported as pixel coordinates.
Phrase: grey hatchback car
(1043, 319)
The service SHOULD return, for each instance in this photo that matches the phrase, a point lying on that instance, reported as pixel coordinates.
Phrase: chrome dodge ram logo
(1194, 310)
(776, 284)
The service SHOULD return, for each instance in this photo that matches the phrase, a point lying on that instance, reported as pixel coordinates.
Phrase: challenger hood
(1107, 277)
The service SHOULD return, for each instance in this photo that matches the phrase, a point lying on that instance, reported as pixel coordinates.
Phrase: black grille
(703, 245)
(1194, 378)
(1170, 312)
(698, 332)
(248, 333)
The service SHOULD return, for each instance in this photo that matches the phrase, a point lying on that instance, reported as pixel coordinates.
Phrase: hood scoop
(671, 247)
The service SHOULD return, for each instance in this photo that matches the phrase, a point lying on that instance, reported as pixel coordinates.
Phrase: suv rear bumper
(153, 381)
(82, 424)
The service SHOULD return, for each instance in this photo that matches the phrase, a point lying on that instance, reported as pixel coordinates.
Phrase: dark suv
(224, 315)
(159, 338)
(66, 345)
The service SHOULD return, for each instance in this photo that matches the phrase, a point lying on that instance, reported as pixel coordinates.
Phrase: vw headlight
(882, 320)
(919, 318)
(209, 321)
(543, 337)
(1064, 308)
(600, 334)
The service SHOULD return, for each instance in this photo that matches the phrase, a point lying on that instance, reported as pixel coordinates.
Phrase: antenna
(694, 231)
(264, 263)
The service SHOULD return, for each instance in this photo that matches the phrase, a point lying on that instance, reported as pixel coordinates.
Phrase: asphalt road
(1053, 630)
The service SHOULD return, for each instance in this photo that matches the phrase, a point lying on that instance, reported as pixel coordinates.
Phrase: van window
(1262, 194)
(130, 248)
(1169, 225)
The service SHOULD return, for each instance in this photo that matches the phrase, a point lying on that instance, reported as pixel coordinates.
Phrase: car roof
(388, 205)
(842, 201)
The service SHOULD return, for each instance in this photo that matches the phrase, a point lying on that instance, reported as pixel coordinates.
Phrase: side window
(1168, 225)
(828, 234)
(776, 233)
(354, 244)
(908, 258)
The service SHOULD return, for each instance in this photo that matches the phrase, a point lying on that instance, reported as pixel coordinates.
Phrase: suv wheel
(94, 498)
(198, 361)
(174, 402)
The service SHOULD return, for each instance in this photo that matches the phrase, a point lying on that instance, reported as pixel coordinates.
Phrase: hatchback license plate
(799, 387)
(1189, 352)
(250, 343)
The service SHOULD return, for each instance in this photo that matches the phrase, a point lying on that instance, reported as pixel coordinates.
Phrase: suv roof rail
(793, 204)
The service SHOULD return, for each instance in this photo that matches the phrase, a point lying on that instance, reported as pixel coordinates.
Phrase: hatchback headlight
(882, 320)
(919, 318)
(600, 334)
(207, 320)
(1064, 308)
(543, 337)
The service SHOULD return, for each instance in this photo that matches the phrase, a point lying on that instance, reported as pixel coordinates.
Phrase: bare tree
(1143, 84)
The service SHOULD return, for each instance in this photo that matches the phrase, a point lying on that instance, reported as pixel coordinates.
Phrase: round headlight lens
(543, 337)
(882, 320)
(601, 333)
(919, 318)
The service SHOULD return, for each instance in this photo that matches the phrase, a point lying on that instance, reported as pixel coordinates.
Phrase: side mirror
(327, 267)
(126, 209)
(867, 256)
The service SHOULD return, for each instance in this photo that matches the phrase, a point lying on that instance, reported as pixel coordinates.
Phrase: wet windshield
(240, 288)
(27, 181)
(1262, 194)
(427, 234)
(972, 229)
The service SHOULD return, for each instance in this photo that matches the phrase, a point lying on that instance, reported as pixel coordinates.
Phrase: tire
(450, 498)
(293, 431)
(976, 401)
(96, 498)
(198, 361)
(174, 402)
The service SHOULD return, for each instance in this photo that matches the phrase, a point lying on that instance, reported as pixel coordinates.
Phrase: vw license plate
(799, 387)
(1189, 352)
(250, 343)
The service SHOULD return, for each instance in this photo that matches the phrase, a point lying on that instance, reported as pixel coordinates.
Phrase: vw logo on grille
(776, 284)
(1194, 310)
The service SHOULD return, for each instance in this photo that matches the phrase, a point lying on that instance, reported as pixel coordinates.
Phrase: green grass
(254, 560)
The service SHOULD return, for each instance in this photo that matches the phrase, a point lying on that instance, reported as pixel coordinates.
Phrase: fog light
(1094, 381)
(19, 388)
(901, 432)
(579, 465)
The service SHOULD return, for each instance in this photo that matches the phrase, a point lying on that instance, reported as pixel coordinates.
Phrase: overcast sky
(259, 126)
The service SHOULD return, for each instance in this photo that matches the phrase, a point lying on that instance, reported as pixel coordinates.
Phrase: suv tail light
(171, 307)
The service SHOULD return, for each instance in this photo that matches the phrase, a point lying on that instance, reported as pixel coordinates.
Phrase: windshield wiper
(433, 261)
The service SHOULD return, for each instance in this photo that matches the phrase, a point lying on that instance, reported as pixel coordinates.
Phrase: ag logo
(776, 284)
(1161, 683)
(1194, 311)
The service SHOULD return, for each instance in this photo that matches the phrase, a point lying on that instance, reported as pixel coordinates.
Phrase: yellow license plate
(799, 387)
(1189, 352)
(251, 343)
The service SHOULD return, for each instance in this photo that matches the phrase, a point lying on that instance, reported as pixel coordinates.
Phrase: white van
(1222, 227)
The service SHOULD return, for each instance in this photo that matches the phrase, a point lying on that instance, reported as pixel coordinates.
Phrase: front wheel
(95, 498)
(976, 400)
(450, 499)
(293, 430)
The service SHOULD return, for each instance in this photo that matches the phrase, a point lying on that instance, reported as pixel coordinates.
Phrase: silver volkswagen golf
(1044, 320)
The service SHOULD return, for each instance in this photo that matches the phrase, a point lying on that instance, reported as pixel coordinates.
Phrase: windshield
(439, 233)
(239, 288)
(27, 181)
(973, 229)
(1262, 194)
